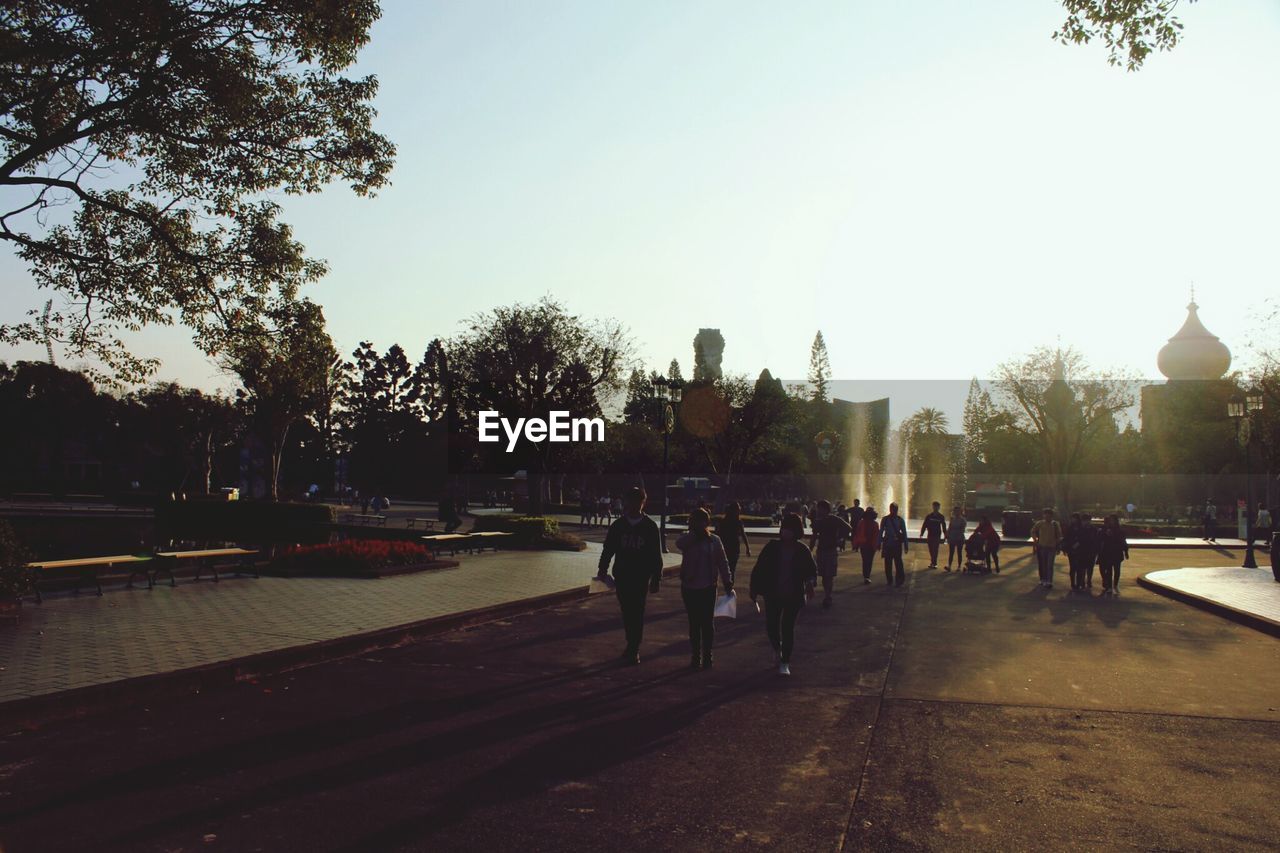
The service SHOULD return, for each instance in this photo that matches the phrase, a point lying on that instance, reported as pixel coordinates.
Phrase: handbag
(727, 605)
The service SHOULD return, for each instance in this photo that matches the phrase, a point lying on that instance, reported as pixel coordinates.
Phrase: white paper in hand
(727, 606)
(601, 583)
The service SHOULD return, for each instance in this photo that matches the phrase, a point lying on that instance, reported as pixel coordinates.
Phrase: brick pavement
(71, 642)
(1252, 592)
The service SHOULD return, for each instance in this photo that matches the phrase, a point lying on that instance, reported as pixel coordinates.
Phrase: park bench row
(91, 569)
(375, 520)
(470, 542)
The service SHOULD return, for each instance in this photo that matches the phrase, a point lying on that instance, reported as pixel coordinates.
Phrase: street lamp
(1240, 408)
(668, 394)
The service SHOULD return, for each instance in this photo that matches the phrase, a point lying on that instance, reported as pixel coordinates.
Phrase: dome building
(1184, 420)
(1194, 352)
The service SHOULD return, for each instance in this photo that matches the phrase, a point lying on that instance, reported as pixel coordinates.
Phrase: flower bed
(351, 558)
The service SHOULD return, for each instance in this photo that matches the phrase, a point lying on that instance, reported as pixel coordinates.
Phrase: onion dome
(1195, 352)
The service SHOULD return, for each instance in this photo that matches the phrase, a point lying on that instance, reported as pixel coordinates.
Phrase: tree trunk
(206, 464)
(277, 453)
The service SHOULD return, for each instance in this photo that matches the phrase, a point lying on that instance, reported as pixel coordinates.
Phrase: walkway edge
(129, 692)
(35, 711)
(1251, 620)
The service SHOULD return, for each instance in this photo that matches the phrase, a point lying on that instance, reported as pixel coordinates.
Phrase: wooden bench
(426, 523)
(455, 542)
(209, 558)
(374, 520)
(88, 569)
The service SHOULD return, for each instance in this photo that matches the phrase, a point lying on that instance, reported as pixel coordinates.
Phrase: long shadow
(302, 740)
(575, 710)
(578, 754)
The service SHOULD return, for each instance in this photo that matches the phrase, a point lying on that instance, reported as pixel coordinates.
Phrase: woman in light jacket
(784, 576)
(702, 559)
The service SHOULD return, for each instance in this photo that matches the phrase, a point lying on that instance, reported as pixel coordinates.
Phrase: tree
(641, 406)
(284, 366)
(1131, 29)
(158, 127)
(1053, 398)
(188, 427)
(732, 419)
(673, 371)
(819, 369)
(525, 361)
(387, 405)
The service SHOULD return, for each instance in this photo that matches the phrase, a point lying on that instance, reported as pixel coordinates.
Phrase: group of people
(784, 577)
(1085, 546)
(1260, 528)
(594, 511)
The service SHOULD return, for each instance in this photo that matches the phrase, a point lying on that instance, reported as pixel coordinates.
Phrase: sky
(936, 186)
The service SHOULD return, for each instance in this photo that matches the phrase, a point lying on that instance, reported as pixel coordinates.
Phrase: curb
(116, 695)
(1250, 620)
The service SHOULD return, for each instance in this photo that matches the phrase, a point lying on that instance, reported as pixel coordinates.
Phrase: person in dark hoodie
(1086, 546)
(1113, 549)
(784, 576)
(633, 545)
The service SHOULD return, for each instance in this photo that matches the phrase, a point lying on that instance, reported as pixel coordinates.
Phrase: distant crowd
(787, 569)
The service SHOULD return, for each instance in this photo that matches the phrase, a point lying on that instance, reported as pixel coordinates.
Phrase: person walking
(828, 532)
(784, 576)
(1087, 549)
(1046, 539)
(1262, 525)
(632, 544)
(586, 511)
(932, 530)
(893, 544)
(1113, 549)
(1068, 547)
(856, 512)
(733, 532)
(955, 538)
(866, 539)
(1210, 522)
(702, 560)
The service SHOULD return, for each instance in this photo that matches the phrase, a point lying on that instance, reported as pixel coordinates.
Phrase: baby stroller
(975, 554)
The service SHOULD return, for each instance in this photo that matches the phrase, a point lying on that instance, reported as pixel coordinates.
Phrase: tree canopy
(139, 140)
(1131, 29)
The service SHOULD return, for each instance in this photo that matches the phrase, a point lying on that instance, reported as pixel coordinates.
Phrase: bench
(374, 520)
(455, 542)
(427, 523)
(88, 569)
(210, 558)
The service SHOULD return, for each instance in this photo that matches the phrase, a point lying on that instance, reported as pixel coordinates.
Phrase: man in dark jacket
(633, 545)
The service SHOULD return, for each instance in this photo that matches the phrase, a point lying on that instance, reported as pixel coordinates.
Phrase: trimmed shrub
(14, 578)
(244, 520)
(531, 532)
(351, 558)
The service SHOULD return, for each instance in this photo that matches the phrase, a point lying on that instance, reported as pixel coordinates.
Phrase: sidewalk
(75, 642)
(1250, 595)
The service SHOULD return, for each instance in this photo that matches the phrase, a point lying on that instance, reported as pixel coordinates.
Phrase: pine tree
(673, 371)
(819, 369)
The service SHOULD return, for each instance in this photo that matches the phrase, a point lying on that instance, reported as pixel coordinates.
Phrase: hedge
(250, 520)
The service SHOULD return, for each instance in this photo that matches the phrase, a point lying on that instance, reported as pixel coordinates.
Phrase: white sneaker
(784, 669)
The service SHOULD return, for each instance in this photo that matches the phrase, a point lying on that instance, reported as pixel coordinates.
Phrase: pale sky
(937, 186)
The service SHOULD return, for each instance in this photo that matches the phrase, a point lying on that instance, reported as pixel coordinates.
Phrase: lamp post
(668, 393)
(1241, 408)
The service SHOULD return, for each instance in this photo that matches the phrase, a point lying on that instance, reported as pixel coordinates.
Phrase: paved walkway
(70, 642)
(975, 713)
(1251, 592)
